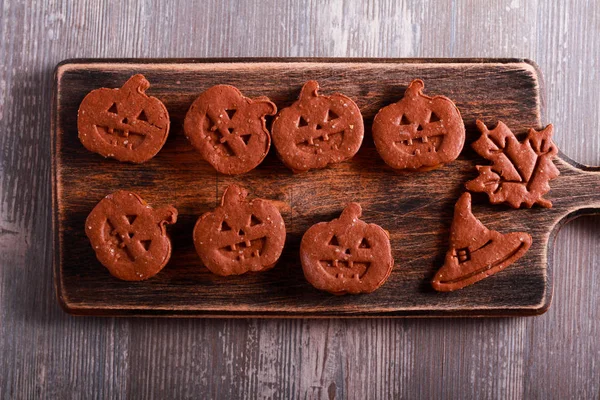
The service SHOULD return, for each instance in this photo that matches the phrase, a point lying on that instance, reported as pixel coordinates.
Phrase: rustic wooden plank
(53, 356)
(415, 208)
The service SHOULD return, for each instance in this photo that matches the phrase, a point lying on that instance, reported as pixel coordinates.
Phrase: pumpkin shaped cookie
(129, 237)
(476, 252)
(229, 130)
(240, 235)
(419, 132)
(123, 123)
(317, 130)
(346, 255)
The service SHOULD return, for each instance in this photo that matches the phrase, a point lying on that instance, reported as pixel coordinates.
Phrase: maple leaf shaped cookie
(520, 171)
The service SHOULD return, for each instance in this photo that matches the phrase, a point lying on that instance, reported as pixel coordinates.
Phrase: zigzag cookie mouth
(340, 269)
(127, 139)
(419, 145)
(245, 249)
(320, 144)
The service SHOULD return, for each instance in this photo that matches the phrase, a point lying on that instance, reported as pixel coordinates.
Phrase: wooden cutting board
(416, 208)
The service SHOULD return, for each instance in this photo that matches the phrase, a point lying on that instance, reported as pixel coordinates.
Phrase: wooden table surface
(45, 353)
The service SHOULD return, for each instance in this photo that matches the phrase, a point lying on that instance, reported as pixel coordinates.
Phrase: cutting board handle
(577, 189)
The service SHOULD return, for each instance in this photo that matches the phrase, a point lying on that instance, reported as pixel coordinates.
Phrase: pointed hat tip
(464, 202)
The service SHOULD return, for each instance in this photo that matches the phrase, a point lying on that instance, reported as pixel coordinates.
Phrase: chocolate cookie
(124, 123)
(317, 130)
(129, 237)
(240, 235)
(520, 171)
(419, 132)
(228, 129)
(476, 252)
(346, 255)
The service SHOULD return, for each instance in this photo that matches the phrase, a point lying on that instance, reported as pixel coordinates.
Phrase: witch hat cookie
(475, 251)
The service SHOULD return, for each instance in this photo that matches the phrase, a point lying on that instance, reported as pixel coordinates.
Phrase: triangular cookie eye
(224, 227)
(113, 109)
(142, 116)
(131, 218)
(331, 115)
(404, 120)
(434, 117)
(364, 244)
(230, 113)
(246, 138)
(254, 221)
(302, 122)
(334, 241)
(146, 244)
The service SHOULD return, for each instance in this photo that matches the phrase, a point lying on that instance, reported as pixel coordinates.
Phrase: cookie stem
(136, 83)
(309, 89)
(166, 215)
(351, 212)
(415, 88)
(263, 106)
(234, 194)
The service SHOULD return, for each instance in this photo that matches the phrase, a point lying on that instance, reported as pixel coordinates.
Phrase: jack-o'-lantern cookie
(123, 123)
(419, 132)
(229, 130)
(476, 252)
(130, 237)
(346, 255)
(240, 235)
(317, 130)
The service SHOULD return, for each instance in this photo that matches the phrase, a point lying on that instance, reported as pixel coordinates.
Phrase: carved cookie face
(130, 237)
(240, 235)
(317, 130)
(228, 129)
(419, 132)
(346, 255)
(123, 123)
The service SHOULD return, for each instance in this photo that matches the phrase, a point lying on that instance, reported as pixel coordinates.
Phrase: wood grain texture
(416, 208)
(45, 353)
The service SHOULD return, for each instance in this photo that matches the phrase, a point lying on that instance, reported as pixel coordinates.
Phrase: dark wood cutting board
(416, 208)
